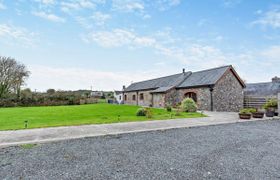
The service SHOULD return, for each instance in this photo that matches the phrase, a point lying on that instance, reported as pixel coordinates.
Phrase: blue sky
(71, 44)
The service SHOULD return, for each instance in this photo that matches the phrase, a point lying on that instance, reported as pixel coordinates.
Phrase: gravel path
(249, 150)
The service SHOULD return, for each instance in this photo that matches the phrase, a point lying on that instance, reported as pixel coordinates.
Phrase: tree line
(13, 76)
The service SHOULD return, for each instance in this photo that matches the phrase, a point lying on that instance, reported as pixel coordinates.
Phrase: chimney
(184, 71)
(123, 87)
(276, 79)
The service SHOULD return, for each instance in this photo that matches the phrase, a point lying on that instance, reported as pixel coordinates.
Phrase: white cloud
(50, 17)
(118, 38)
(46, 2)
(270, 18)
(139, 6)
(86, 4)
(231, 3)
(162, 43)
(84, 22)
(17, 34)
(194, 55)
(100, 18)
(67, 6)
(163, 5)
(131, 6)
(2, 6)
(128, 5)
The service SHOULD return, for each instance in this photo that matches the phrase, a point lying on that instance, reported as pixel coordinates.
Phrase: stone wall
(203, 97)
(171, 97)
(147, 101)
(129, 100)
(159, 100)
(228, 94)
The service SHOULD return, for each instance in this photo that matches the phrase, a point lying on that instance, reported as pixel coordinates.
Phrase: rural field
(51, 116)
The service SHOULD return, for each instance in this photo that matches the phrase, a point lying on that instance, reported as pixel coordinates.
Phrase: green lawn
(38, 117)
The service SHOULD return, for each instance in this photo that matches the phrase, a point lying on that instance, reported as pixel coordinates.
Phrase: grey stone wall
(147, 101)
(129, 99)
(228, 94)
(159, 100)
(171, 97)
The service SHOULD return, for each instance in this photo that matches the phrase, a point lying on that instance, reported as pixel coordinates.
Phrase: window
(125, 97)
(120, 98)
(133, 97)
(141, 96)
(191, 95)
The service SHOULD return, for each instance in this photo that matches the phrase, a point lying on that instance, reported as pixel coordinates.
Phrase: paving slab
(41, 135)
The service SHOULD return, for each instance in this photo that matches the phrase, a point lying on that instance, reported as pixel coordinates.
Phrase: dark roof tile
(188, 79)
(168, 81)
(203, 78)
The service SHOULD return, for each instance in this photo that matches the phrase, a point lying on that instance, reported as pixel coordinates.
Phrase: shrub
(188, 105)
(168, 108)
(248, 110)
(141, 112)
(144, 112)
(148, 112)
(272, 103)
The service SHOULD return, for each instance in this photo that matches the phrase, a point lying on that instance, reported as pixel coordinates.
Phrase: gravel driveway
(248, 150)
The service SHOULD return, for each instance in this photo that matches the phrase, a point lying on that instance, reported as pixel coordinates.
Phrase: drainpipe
(137, 98)
(152, 100)
(211, 88)
(122, 101)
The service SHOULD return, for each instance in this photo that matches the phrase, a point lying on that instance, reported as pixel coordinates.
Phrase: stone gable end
(228, 93)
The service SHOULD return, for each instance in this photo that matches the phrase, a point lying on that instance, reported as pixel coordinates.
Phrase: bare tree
(12, 76)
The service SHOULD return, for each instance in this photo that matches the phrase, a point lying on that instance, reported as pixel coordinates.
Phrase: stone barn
(217, 89)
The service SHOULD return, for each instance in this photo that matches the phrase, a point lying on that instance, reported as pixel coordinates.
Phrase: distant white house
(119, 96)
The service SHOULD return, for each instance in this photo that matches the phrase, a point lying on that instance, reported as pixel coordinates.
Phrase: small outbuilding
(118, 95)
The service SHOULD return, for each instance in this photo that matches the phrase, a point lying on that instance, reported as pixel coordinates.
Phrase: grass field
(38, 117)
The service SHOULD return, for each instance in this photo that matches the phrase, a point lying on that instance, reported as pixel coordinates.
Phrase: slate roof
(187, 80)
(205, 77)
(118, 92)
(168, 81)
(262, 89)
(162, 89)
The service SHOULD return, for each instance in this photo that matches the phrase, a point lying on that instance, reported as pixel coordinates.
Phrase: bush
(148, 112)
(141, 112)
(248, 111)
(144, 112)
(168, 108)
(272, 103)
(188, 105)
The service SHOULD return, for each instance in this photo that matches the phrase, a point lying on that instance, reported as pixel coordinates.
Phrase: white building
(119, 96)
